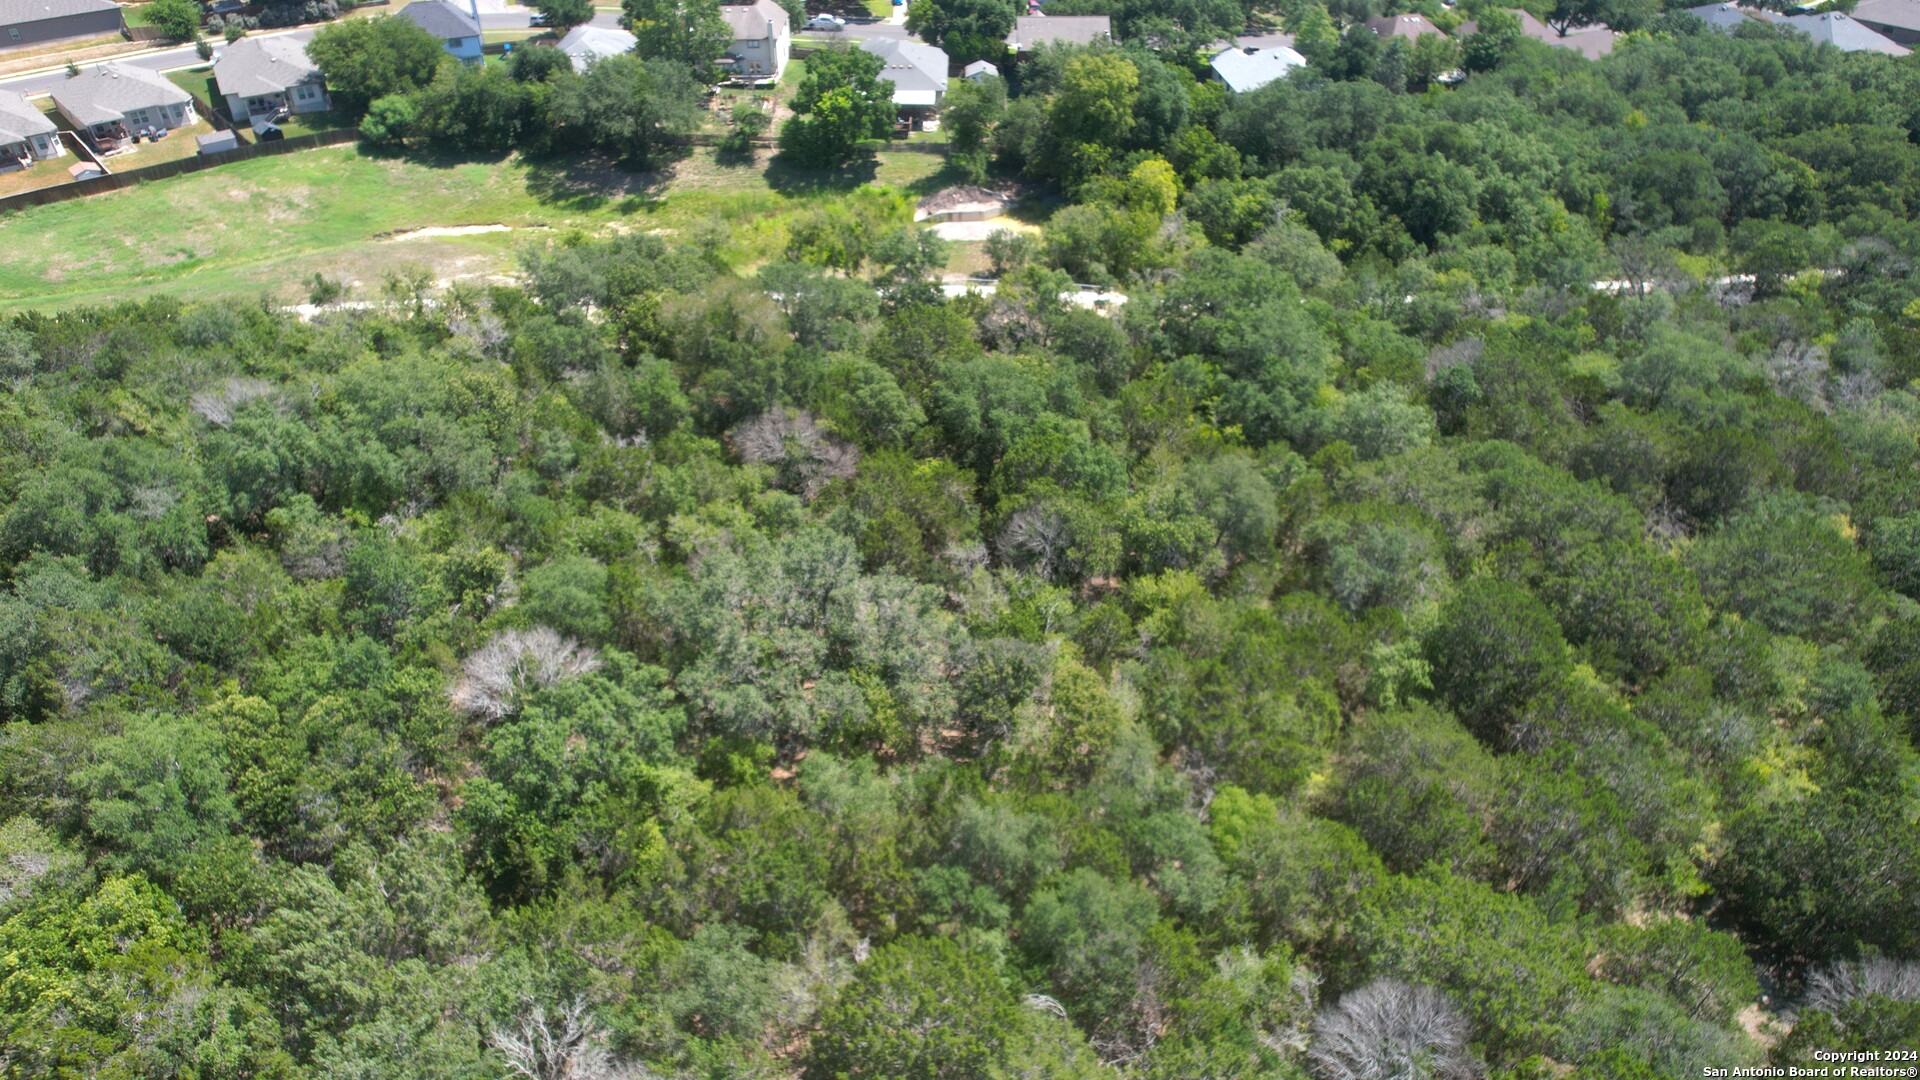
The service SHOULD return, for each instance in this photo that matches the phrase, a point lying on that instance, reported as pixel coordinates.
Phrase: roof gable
(103, 94)
(253, 66)
(20, 120)
(1242, 70)
(442, 19)
(757, 21)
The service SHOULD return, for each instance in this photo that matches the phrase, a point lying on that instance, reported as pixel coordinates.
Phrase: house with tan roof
(762, 40)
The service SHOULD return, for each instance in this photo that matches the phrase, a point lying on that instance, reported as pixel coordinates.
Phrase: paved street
(494, 15)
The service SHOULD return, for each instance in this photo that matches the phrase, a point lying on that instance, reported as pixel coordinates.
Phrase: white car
(826, 22)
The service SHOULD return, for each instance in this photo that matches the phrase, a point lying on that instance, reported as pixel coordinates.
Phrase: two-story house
(762, 40)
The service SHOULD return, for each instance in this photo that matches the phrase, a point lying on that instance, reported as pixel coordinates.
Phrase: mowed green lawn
(267, 224)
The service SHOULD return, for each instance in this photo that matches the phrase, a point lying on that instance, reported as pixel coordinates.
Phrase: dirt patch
(432, 231)
(975, 231)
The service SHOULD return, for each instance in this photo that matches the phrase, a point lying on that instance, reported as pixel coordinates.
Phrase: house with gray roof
(917, 71)
(262, 76)
(1243, 70)
(762, 40)
(1729, 16)
(26, 134)
(585, 44)
(1843, 33)
(457, 27)
(34, 22)
(1030, 31)
(1896, 20)
(118, 101)
(979, 70)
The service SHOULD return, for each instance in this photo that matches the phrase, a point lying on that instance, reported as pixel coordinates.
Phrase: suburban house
(1409, 27)
(119, 101)
(1242, 70)
(585, 44)
(1728, 16)
(32, 22)
(458, 28)
(26, 135)
(262, 76)
(1896, 20)
(979, 70)
(1030, 31)
(1592, 42)
(917, 71)
(1843, 33)
(762, 40)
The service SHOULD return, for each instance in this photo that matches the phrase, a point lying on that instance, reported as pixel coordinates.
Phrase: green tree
(564, 15)
(690, 33)
(626, 106)
(178, 19)
(967, 30)
(920, 1009)
(157, 793)
(366, 59)
(841, 103)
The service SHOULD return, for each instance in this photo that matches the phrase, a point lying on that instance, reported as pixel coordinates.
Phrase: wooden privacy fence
(81, 188)
(100, 184)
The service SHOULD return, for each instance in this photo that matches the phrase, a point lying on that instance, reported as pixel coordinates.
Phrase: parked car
(539, 18)
(224, 7)
(826, 22)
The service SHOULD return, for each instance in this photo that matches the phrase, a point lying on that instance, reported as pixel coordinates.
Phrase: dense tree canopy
(1452, 614)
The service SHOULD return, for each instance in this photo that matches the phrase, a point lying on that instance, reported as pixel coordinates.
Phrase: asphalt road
(184, 56)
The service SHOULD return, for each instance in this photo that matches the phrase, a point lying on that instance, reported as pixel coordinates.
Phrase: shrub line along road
(185, 56)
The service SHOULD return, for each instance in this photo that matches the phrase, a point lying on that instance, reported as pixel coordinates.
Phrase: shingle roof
(15, 12)
(104, 94)
(1243, 71)
(979, 69)
(756, 21)
(585, 44)
(1031, 30)
(271, 65)
(918, 72)
(1843, 33)
(1592, 42)
(1900, 14)
(442, 19)
(1407, 26)
(19, 120)
(1726, 16)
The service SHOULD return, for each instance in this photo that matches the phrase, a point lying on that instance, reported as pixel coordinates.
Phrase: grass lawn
(268, 223)
(42, 174)
(178, 144)
(197, 81)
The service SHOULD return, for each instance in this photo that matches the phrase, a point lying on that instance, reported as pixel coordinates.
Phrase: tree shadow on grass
(590, 182)
(787, 178)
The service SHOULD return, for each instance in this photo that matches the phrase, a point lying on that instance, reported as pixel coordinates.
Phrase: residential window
(13, 32)
(753, 44)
